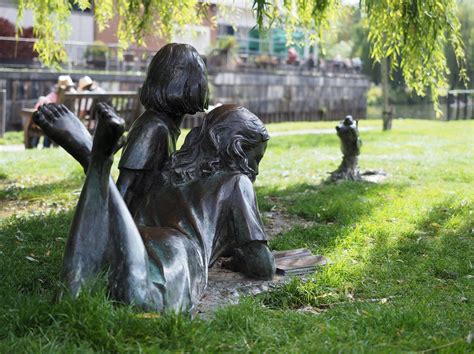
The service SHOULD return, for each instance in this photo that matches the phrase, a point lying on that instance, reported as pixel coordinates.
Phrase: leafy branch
(412, 34)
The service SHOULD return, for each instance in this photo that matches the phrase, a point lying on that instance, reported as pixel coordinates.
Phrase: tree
(466, 17)
(411, 34)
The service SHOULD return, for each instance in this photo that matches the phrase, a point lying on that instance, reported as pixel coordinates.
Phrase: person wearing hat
(64, 84)
(87, 85)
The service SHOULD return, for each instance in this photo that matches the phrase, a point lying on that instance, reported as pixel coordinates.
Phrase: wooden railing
(460, 104)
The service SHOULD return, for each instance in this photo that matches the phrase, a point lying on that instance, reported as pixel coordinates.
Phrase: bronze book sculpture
(172, 213)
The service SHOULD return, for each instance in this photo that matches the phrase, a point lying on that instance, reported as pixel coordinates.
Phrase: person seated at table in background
(292, 57)
(87, 85)
(65, 84)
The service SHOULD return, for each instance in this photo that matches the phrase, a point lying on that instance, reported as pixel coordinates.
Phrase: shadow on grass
(426, 271)
(93, 322)
(32, 248)
(420, 275)
(32, 321)
(335, 209)
(435, 252)
(16, 191)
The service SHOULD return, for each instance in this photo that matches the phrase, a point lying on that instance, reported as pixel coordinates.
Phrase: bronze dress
(150, 142)
(186, 227)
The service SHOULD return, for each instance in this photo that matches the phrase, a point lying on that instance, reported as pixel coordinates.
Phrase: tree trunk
(347, 170)
(387, 112)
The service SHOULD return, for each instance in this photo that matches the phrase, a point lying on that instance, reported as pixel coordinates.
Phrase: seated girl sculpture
(201, 205)
(175, 85)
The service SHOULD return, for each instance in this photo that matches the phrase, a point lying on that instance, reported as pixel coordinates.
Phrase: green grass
(402, 253)
(12, 138)
(292, 126)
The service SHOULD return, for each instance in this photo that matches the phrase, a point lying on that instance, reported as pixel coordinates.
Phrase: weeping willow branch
(413, 34)
(136, 20)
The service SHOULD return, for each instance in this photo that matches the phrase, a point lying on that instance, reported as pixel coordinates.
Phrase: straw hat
(65, 81)
(84, 82)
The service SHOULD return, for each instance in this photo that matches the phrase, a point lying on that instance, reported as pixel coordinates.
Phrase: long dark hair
(221, 143)
(176, 81)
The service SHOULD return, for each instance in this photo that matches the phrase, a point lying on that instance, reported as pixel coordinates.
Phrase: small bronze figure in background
(348, 133)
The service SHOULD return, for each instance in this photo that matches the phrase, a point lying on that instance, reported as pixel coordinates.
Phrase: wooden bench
(126, 104)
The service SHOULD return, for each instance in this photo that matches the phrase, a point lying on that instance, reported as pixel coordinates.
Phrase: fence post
(466, 98)
(448, 106)
(3, 111)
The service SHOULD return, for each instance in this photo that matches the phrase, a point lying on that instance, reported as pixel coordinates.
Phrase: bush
(12, 49)
(374, 96)
(96, 53)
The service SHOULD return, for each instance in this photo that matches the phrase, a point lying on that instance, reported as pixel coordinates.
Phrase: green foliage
(50, 27)
(466, 18)
(374, 95)
(224, 45)
(136, 19)
(411, 33)
(97, 51)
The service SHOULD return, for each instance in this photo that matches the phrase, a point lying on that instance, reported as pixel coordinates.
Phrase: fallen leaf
(310, 309)
(148, 315)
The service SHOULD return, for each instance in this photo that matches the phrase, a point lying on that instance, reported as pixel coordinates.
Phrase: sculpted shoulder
(235, 181)
(146, 142)
(147, 123)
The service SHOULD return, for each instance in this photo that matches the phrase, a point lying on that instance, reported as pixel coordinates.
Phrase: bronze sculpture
(348, 133)
(175, 85)
(188, 210)
(203, 206)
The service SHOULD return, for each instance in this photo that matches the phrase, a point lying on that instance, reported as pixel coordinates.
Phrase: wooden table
(30, 129)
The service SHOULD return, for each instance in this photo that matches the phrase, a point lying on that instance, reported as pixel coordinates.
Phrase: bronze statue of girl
(175, 85)
(200, 205)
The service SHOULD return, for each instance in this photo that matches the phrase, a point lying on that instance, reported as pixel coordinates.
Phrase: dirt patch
(225, 287)
(278, 221)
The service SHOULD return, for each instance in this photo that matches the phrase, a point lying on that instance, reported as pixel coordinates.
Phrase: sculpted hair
(176, 81)
(219, 144)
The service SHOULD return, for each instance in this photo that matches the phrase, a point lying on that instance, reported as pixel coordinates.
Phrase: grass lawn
(12, 138)
(401, 276)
